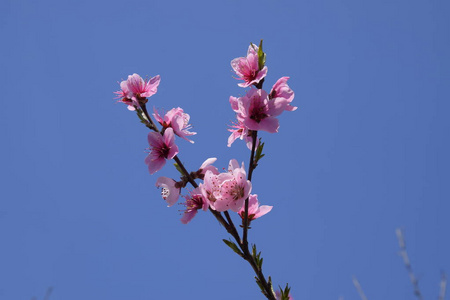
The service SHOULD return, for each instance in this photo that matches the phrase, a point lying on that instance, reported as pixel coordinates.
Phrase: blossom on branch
(170, 192)
(226, 190)
(282, 90)
(254, 210)
(162, 147)
(124, 96)
(239, 130)
(194, 202)
(247, 68)
(140, 88)
(256, 111)
(177, 119)
(135, 90)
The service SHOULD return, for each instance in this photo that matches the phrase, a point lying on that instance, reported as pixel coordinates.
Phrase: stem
(249, 177)
(268, 290)
(151, 124)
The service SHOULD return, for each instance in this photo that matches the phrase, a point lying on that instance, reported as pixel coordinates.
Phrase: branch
(229, 226)
(359, 288)
(443, 285)
(404, 255)
(251, 167)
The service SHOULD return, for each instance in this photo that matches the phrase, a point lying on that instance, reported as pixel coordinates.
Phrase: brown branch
(406, 261)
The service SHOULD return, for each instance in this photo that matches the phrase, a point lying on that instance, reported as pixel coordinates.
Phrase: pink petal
(169, 185)
(188, 216)
(154, 165)
(263, 209)
(155, 139)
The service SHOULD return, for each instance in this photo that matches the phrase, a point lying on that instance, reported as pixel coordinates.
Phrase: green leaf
(233, 247)
(141, 116)
(261, 56)
(259, 150)
(285, 292)
(178, 169)
(260, 285)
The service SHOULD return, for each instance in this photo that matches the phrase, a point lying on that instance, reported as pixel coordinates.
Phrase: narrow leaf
(178, 169)
(233, 247)
(261, 56)
(259, 284)
(259, 149)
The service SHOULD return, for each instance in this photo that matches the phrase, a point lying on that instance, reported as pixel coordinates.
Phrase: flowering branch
(218, 192)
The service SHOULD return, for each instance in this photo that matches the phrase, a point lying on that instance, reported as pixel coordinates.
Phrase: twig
(443, 285)
(251, 167)
(48, 293)
(359, 288)
(404, 254)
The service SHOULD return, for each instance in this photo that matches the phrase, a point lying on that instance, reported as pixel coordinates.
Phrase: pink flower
(257, 112)
(226, 190)
(170, 192)
(124, 96)
(194, 202)
(254, 210)
(247, 68)
(135, 90)
(211, 188)
(178, 120)
(140, 88)
(282, 91)
(239, 131)
(162, 148)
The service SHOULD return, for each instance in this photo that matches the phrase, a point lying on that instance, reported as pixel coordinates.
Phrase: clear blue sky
(366, 152)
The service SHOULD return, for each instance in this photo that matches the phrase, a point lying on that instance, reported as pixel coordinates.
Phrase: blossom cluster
(257, 109)
(231, 189)
(218, 191)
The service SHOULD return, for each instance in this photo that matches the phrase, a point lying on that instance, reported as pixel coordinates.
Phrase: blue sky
(365, 153)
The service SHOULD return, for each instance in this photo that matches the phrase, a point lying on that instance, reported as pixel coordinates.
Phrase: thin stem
(244, 244)
(230, 221)
(359, 288)
(151, 124)
(406, 261)
(48, 293)
(186, 173)
(443, 286)
(251, 167)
